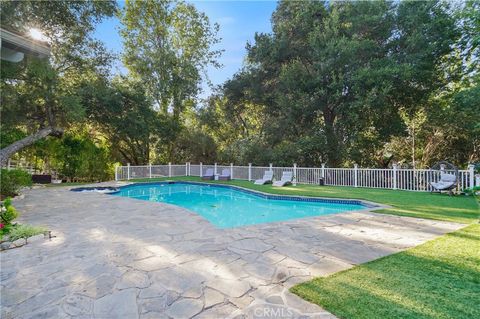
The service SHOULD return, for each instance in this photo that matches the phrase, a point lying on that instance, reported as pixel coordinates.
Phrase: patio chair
(208, 175)
(225, 176)
(267, 178)
(447, 182)
(287, 178)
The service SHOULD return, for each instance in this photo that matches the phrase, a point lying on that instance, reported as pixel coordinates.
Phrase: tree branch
(13, 148)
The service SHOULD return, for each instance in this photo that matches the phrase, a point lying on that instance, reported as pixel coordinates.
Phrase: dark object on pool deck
(225, 176)
(95, 189)
(321, 182)
(41, 179)
(208, 174)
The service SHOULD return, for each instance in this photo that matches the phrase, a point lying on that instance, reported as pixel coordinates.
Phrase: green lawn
(439, 279)
(459, 209)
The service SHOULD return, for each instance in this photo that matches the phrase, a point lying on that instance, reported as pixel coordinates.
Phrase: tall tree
(39, 95)
(168, 46)
(122, 112)
(340, 72)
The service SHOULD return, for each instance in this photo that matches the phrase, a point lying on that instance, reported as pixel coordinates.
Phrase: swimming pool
(227, 206)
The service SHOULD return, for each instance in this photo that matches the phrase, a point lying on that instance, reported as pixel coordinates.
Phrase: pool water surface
(226, 206)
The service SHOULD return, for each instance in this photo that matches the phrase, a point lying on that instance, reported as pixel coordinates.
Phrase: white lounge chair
(447, 182)
(287, 178)
(267, 178)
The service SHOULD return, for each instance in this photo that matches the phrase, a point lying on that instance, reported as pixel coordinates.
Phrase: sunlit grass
(459, 209)
(439, 279)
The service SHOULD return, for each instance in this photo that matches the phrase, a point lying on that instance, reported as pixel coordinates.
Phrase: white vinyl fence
(388, 178)
(25, 166)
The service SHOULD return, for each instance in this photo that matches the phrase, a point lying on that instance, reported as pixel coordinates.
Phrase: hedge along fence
(387, 178)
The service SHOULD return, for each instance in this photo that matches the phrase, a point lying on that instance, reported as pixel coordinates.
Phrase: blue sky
(238, 20)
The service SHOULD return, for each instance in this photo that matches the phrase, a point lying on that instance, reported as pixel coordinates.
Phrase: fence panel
(278, 172)
(339, 176)
(178, 170)
(159, 171)
(259, 171)
(194, 170)
(220, 169)
(308, 175)
(464, 177)
(206, 167)
(373, 178)
(240, 172)
(139, 172)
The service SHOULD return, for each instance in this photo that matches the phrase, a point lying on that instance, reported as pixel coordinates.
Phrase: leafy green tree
(168, 46)
(193, 145)
(334, 76)
(121, 111)
(77, 157)
(39, 97)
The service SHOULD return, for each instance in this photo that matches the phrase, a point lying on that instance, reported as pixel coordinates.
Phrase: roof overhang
(14, 47)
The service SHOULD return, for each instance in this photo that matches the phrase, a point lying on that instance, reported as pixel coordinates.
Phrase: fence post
(394, 176)
(9, 163)
(215, 169)
(201, 170)
(294, 174)
(128, 171)
(186, 168)
(231, 170)
(271, 167)
(323, 170)
(116, 172)
(249, 171)
(149, 170)
(355, 176)
(471, 176)
(169, 169)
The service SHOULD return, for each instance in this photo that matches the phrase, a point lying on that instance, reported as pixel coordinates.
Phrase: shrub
(24, 231)
(7, 212)
(4, 230)
(471, 191)
(11, 181)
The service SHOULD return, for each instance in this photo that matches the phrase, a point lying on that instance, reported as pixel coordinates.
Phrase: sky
(238, 20)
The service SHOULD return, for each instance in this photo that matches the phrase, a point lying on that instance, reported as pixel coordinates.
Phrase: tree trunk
(333, 147)
(11, 149)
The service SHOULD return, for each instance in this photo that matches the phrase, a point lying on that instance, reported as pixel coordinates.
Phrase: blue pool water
(229, 207)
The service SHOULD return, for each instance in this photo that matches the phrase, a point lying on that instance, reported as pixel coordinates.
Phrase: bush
(7, 212)
(471, 191)
(24, 231)
(11, 181)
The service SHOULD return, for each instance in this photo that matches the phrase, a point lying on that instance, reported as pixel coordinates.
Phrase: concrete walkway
(116, 257)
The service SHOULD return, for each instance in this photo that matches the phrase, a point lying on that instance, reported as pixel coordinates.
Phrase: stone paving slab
(115, 257)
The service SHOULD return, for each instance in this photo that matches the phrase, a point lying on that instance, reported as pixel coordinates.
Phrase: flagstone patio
(116, 257)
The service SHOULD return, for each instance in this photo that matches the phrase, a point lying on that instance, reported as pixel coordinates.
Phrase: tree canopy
(336, 82)
(344, 82)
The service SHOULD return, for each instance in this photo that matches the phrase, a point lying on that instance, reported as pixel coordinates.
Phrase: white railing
(388, 178)
(25, 166)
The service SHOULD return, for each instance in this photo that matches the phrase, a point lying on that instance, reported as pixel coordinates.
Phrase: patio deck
(114, 257)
